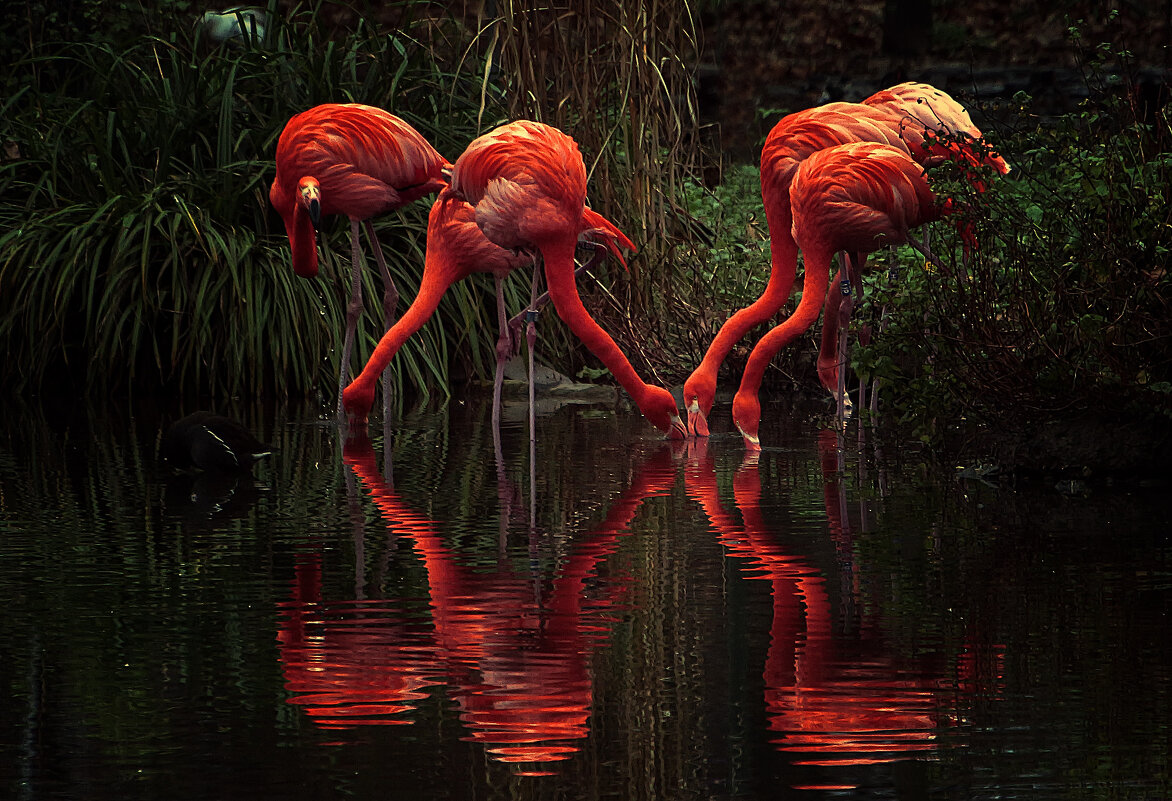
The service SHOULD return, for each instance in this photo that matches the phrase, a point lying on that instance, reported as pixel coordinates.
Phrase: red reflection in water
(517, 663)
(829, 710)
(352, 663)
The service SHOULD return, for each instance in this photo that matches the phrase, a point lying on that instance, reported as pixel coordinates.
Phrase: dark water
(642, 621)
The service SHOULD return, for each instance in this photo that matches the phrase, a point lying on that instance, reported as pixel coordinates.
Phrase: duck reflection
(830, 703)
(515, 656)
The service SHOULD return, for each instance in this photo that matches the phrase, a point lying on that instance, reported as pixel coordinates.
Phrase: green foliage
(138, 244)
(1066, 306)
(734, 249)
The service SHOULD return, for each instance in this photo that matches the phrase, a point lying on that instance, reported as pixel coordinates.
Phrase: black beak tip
(315, 212)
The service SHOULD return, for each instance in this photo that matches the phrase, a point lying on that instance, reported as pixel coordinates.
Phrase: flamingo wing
(860, 196)
(527, 181)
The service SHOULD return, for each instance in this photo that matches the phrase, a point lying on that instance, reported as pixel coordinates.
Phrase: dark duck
(208, 441)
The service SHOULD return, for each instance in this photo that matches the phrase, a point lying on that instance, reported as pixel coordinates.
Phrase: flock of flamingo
(841, 177)
(838, 178)
(516, 653)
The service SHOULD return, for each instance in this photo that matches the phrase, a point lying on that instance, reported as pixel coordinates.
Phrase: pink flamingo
(527, 183)
(347, 158)
(894, 116)
(855, 197)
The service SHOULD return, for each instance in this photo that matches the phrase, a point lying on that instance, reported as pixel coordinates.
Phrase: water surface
(621, 617)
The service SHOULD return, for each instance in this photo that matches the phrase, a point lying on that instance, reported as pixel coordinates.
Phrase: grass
(139, 248)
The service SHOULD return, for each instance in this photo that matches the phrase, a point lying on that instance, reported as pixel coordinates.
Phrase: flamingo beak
(678, 430)
(311, 199)
(697, 422)
(752, 441)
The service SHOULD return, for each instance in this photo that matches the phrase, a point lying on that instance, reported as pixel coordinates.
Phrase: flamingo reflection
(827, 709)
(516, 659)
(353, 663)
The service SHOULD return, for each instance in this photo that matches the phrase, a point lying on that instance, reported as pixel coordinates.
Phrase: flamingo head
(746, 411)
(295, 213)
(659, 407)
(699, 395)
(309, 196)
(357, 399)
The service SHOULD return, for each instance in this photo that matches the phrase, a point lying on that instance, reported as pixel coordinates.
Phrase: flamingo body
(352, 159)
(361, 161)
(527, 183)
(856, 197)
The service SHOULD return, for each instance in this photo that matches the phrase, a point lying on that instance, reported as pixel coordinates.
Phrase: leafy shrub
(1066, 307)
(138, 244)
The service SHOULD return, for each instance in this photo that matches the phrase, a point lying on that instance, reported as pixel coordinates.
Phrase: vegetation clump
(139, 247)
(1065, 307)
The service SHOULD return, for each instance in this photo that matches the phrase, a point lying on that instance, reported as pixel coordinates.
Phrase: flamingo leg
(531, 343)
(828, 350)
(923, 248)
(536, 305)
(390, 301)
(858, 262)
(528, 319)
(892, 278)
(503, 350)
(843, 410)
(353, 311)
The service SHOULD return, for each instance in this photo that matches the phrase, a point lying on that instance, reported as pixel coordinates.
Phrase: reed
(619, 78)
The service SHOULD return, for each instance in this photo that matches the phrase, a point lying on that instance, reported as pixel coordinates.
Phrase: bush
(139, 248)
(1066, 307)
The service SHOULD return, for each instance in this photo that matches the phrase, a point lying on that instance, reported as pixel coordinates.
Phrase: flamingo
(791, 141)
(361, 161)
(944, 131)
(456, 248)
(908, 116)
(856, 197)
(527, 183)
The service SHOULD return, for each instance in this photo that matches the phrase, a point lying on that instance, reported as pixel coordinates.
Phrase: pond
(611, 616)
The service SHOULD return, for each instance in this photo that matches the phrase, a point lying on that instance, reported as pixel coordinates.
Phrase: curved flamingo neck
(559, 275)
(815, 283)
(303, 243)
(783, 267)
(359, 396)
